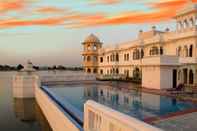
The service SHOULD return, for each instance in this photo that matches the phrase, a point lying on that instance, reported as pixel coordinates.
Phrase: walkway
(186, 122)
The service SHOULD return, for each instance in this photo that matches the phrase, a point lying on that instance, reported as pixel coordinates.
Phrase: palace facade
(161, 59)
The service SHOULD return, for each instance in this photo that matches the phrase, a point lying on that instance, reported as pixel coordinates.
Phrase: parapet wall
(57, 118)
(101, 118)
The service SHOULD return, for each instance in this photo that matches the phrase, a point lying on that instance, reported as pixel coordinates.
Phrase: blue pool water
(131, 102)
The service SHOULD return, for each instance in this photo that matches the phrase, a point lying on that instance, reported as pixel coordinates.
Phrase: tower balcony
(90, 63)
(89, 53)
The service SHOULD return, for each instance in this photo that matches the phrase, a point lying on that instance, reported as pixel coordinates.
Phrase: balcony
(186, 60)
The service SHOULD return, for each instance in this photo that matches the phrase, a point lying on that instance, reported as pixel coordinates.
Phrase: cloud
(106, 2)
(161, 11)
(158, 11)
(11, 5)
(50, 9)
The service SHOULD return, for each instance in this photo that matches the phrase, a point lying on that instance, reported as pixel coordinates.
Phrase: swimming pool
(135, 103)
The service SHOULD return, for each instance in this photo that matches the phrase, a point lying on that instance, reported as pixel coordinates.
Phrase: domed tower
(90, 53)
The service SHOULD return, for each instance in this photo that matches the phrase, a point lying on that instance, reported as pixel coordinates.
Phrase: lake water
(18, 114)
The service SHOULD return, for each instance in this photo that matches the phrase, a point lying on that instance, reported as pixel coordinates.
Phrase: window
(111, 58)
(117, 57)
(95, 59)
(101, 71)
(101, 59)
(95, 70)
(136, 54)
(89, 70)
(154, 51)
(107, 58)
(94, 47)
(88, 47)
(84, 58)
(142, 53)
(191, 77)
(185, 51)
(179, 51)
(191, 51)
(88, 58)
(126, 57)
(117, 71)
(161, 50)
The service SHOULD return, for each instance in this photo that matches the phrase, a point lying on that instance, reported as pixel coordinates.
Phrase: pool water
(131, 102)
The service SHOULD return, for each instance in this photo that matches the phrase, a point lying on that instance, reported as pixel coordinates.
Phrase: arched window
(191, 51)
(179, 51)
(117, 57)
(154, 51)
(89, 70)
(136, 54)
(88, 58)
(117, 71)
(142, 53)
(111, 58)
(185, 51)
(95, 58)
(185, 23)
(161, 50)
(107, 58)
(101, 71)
(191, 77)
(95, 70)
(114, 71)
(94, 47)
(88, 47)
(84, 58)
(191, 22)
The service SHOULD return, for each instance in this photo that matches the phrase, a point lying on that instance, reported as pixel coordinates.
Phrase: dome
(92, 39)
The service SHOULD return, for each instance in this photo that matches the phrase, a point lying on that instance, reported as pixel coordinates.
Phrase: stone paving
(187, 122)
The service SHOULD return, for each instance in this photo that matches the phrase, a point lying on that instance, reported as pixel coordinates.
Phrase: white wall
(102, 118)
(58, 120)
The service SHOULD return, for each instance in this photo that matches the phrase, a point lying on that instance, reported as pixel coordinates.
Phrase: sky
(50, 32)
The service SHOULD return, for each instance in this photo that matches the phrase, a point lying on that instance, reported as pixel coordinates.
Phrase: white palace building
(160, 59)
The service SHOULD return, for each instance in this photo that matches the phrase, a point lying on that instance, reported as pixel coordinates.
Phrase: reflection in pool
(132, 102)
(18, 114)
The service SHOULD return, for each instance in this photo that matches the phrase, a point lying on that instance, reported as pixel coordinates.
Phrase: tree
(19, 67)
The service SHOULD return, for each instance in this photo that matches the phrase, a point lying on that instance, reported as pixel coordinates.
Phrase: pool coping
(66, 107)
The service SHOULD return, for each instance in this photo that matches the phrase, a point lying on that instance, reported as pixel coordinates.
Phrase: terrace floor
(187, 122)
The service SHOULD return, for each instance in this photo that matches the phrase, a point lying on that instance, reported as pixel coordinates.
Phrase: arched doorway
(185, 76)
(137, 73)
(88, 70)
(95, 70)
(191, 77)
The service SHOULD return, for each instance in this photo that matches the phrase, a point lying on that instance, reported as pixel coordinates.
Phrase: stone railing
(101, 118)
(185, 60)
(67, 78)
(111, 77)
